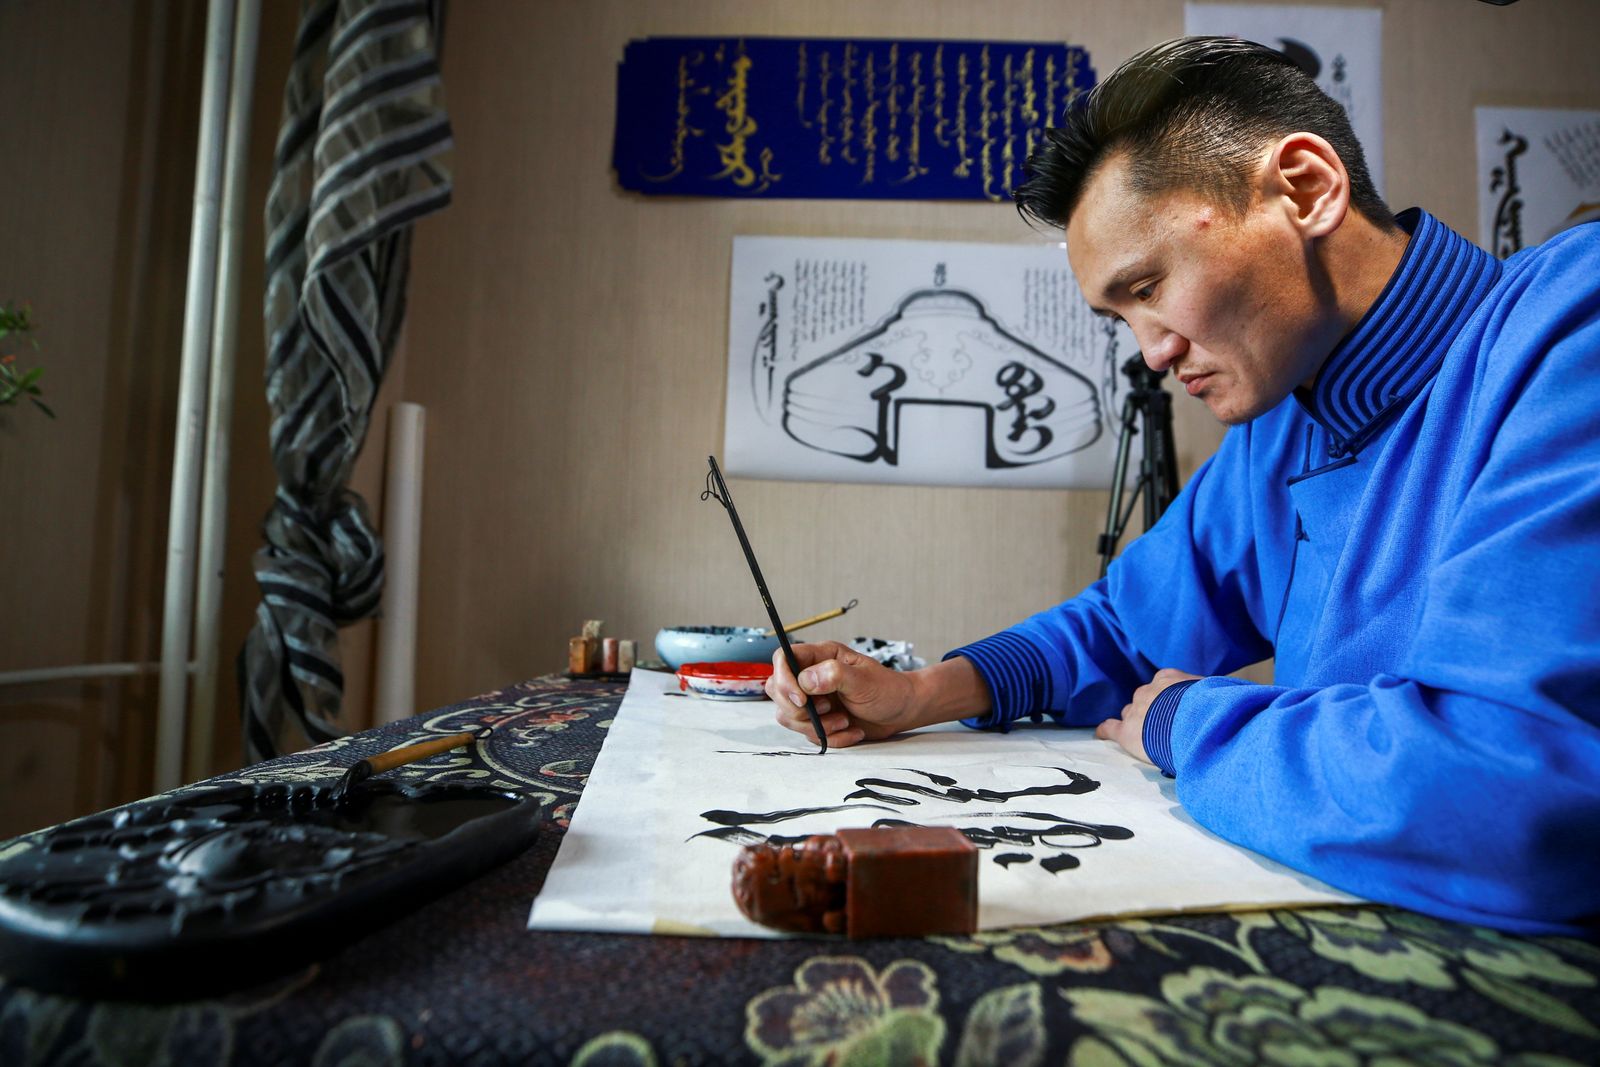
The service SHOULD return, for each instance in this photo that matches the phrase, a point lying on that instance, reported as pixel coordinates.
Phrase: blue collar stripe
(1398, 345)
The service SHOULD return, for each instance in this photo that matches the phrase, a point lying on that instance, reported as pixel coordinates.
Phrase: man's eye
(1144, 292)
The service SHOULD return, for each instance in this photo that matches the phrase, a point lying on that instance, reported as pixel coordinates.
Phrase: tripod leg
(1119, 477)
(1164, 484)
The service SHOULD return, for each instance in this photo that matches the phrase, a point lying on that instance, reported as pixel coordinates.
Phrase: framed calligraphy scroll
(839, 118)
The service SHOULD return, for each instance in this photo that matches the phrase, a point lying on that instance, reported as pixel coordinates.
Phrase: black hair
(1193, 113)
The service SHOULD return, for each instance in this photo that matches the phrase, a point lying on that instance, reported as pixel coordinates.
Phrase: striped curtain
(362, 154)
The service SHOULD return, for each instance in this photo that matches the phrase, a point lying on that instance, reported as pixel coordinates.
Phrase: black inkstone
(192, 894)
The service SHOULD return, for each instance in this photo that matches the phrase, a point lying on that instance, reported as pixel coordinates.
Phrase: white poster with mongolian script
(1068, 827)
(1538, 174)
(919, 362)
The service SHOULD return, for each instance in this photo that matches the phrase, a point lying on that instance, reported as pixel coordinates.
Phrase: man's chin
(1227, 410)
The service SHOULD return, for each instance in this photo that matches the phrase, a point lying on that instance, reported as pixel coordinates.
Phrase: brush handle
(766, 597)
(399, 757)
(824, 617)
(363, 769)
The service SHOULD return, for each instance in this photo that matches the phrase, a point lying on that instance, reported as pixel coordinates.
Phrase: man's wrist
(948, 691)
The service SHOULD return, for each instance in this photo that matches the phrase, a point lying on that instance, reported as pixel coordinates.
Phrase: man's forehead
(1107, 233)
(1106, 205)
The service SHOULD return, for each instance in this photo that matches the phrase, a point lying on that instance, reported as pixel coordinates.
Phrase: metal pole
(178, 607)
(219, 406)
(402, 535)
(36, 675)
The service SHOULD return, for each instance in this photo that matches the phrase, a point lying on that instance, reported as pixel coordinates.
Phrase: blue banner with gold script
(836, 117)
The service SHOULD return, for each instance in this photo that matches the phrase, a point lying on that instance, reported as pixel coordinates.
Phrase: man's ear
(1306, 177)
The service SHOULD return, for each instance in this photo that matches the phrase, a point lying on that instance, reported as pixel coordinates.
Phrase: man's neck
(1352, 267)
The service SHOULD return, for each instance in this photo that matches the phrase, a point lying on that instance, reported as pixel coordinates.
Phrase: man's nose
(1161, 348)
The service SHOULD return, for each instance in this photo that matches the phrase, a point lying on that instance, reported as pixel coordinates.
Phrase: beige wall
(566, 338)
(569, 339)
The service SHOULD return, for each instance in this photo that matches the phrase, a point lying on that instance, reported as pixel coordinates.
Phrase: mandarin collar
(1400, 342)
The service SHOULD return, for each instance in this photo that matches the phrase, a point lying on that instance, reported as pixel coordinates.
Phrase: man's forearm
(949, 691)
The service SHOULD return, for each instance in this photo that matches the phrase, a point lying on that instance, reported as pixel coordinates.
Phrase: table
(461, 981)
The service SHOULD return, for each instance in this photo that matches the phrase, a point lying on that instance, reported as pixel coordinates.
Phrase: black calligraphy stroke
(739, 835)
(1024, 829)
(1075, 786)
(747, 818)
(1061, 834)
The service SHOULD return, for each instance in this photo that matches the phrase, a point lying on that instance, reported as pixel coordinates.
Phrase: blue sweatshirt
(1417, 542)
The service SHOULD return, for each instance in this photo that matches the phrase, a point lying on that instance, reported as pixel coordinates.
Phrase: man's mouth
(1194, 383)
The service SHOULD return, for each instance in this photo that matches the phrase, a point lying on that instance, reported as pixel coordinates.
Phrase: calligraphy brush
(717, 490)
(824, 617)
(399, 757)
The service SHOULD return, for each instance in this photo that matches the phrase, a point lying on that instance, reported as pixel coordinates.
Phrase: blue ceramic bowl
(713, 644)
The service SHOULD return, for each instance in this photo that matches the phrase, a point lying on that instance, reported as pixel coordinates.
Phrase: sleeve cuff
(1157, 734)
(1017, 676)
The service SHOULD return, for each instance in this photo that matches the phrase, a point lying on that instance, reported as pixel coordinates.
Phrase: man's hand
(859, 699)
(1128, 729)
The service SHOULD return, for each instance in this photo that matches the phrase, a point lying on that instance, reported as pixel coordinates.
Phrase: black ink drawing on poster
(1508, 205)
(940, 347)
(846, 364)
(1013, 837)
(1538, 174)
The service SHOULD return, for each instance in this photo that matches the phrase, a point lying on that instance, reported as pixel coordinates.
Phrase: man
(1405, 511)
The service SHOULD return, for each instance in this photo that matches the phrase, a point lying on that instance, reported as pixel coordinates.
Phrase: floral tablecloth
(461, 981)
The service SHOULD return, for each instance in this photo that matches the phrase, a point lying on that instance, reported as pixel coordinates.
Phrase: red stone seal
(899, 881)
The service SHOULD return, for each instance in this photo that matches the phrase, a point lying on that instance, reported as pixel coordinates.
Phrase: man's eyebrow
(1125, 276)
(1120, 280)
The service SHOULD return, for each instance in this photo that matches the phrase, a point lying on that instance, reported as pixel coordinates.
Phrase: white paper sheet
(1343, 45)
(1538, 173)
(918, 362)
(636, 858)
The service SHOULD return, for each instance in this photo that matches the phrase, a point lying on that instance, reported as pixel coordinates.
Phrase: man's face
(1223, 300)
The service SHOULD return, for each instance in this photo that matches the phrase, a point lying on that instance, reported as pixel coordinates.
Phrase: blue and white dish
(678, 645)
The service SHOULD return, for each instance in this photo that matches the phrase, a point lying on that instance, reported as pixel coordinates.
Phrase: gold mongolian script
(734, 103)
(682, 131)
